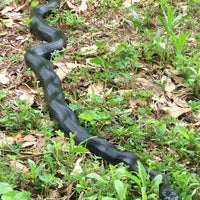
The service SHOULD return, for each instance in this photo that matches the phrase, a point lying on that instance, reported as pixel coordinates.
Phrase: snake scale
(37, 58)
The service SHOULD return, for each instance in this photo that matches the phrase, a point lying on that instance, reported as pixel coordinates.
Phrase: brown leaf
(26, 94)
(19, 166)
(147, 85)
(96, 88)
(9, 139)
(54, 194)
(159, 98)
(123, 92)
(29, 144)
(6, 9)
(175, 110)
(69, 192)
(29, 138)
(169, 86)
(197, 120)
(83, 6)
(179, 102)
(134, 103)
(129, 3)
(28, 141)
(9, 13)
(77, 168)
(4, 77)
(80, 8)
(178, 80)
(171, 104)
(89, 50)
(64, 69)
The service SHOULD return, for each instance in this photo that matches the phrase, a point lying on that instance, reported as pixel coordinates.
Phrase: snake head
(168, 194)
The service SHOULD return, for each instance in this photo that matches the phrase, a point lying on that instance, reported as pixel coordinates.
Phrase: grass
(151, 41)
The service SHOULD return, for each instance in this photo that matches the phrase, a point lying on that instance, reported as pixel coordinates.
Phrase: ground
(131, 74)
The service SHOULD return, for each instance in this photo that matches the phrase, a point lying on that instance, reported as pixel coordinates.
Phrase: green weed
(115, 184)
(19, 117)
(195, 105)
(67, 17)
(8, 192)
(163, 143)
(169, 46)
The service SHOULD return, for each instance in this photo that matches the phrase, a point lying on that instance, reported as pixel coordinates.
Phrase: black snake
(37, 58)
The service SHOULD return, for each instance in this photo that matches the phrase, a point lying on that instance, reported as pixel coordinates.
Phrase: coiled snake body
(37, 58)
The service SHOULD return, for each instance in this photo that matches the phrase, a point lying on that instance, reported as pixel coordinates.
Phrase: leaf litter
(163, 97)
(112, 27)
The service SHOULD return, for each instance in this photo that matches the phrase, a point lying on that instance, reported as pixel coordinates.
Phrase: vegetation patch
(131, 74)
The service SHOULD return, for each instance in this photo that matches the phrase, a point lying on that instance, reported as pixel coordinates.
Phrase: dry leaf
(26, 94)
(10, 13)
(8, 139)
(197, 120)
(19, 166)
(69, 192)
(108, 91)
(64, 69)
(178, 80)
(28, 97)
(83, 6)
(28, 141)
(134, 103)
(171, 103)
(129, 3)
(159, 98)
(184, 9)
(29, 144)
(77, 168)
(179, 102)
(6, 10)
(96, 88)
(171, 70)
(89, 50)
(54, 194)
(175, 110)
(123, 92)
(80, 8)
(147, 85)
(169, 86)
(29, 138)
(4, 77)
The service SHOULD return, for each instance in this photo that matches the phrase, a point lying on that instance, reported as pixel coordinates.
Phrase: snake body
(37, 58)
